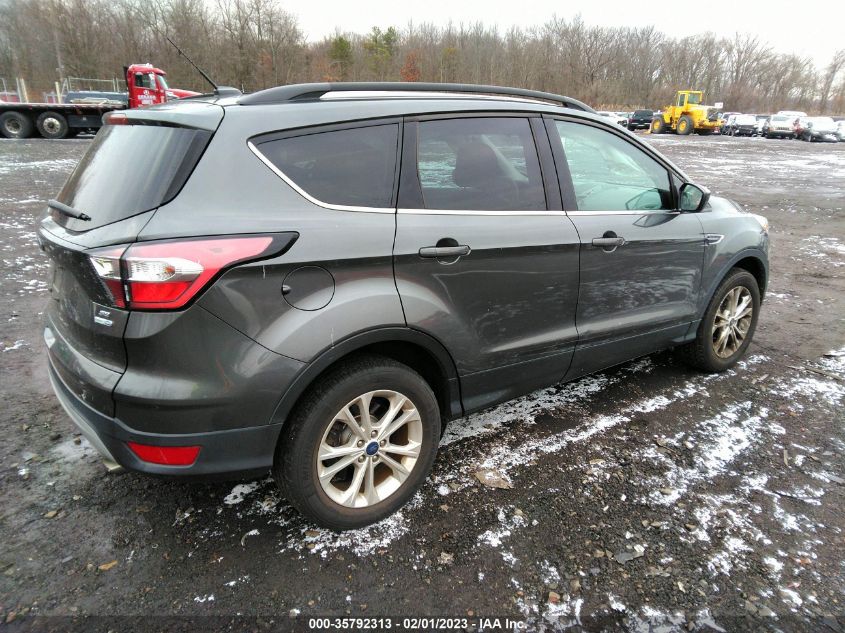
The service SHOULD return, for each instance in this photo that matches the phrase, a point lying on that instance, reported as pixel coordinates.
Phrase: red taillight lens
(165, 455)
(167, 275)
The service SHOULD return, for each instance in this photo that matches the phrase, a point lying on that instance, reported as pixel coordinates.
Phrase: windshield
(822, 123)
(162, 82)
(694, 98)
(780, 119)
(129, 169)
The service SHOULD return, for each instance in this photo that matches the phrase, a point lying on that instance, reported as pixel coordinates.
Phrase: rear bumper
(248, 450)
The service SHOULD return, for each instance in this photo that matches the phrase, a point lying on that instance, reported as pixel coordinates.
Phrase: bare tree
(254, 44)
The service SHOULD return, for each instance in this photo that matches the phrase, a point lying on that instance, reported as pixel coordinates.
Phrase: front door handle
(608, 242)
(444, 252)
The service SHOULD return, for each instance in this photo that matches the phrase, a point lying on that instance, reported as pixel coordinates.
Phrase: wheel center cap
(372, 448)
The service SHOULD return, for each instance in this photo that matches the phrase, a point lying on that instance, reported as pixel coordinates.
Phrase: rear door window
(129, 169)
(348, 167)
(479, 164)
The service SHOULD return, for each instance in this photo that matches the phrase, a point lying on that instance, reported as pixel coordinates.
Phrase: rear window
(130, 169)
(350, 167)
(479, 164)
(643, 113)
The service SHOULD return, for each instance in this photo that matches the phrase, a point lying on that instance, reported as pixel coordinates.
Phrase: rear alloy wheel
(360, 445)
(685, 125)
(728, 325)
(15, 125)
(370, 449)
(52, 125)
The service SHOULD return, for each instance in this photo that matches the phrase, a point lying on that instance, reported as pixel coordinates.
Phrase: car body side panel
(649, 282)
(641, 296)
(742, 236)
(506, 311)
(189, 372)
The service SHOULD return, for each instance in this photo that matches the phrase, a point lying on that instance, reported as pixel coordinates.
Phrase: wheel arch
(422, 352)
(752, 260)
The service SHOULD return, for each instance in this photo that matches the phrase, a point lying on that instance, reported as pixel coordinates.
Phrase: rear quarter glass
(350, 167)
(129, 169)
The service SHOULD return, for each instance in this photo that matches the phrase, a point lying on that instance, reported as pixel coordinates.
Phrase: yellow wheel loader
(687, 115)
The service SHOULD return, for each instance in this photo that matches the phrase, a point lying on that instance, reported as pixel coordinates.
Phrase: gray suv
(314, 278)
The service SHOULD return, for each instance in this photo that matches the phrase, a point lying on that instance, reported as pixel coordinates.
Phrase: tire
(15, 125)
(52, 125)
(685, 125)
(658, 125)
(701, 352)
(315, 424)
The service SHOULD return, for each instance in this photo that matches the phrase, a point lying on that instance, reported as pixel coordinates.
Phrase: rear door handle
(445, 251)
(608, 242)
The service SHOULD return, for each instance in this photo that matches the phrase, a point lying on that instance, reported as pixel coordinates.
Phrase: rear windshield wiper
(68, 211)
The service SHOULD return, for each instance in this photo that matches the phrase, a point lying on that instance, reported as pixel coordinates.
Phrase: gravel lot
(647, 497)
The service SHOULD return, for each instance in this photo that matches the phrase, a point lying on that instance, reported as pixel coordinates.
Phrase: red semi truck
(83, 111)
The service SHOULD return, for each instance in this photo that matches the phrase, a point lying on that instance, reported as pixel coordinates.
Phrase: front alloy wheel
(728, 324)
(732, 322)
(369, 449)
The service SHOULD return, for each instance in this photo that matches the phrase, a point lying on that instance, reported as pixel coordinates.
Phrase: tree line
(254, 44)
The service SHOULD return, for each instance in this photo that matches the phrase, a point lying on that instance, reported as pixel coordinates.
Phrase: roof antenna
(199, 70)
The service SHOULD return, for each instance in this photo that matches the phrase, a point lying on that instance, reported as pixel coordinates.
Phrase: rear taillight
(166, 275)
(106, 264)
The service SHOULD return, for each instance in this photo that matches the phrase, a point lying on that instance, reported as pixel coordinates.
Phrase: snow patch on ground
(240, 492)
(508, 522)
(526, 408)
(361, 542)
(9, 347)
(719, 441)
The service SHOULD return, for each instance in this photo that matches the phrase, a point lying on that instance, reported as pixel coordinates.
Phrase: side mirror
(693, 197)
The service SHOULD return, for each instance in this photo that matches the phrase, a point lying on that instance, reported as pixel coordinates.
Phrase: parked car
(742, 125)
(616, 117)
(817, 128)
(762, 120)
(316, 282)
(640, 120)
(727, 120)
(779, 126)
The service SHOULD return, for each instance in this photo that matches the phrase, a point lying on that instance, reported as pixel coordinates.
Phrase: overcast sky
(808, 27)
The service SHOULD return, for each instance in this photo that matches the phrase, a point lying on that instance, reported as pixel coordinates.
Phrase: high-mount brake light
(167, 275)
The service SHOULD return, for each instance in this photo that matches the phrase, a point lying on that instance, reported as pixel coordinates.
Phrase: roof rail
(313, 91)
